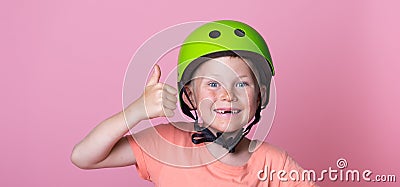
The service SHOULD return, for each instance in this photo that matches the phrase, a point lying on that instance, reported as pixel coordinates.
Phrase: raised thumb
(155, 77)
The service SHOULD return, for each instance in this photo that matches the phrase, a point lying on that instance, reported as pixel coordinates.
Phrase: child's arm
(105, 145)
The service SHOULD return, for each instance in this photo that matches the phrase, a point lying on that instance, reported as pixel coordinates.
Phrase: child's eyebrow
(221, 75)
(245, 77)
(211, 76)
(217, 76)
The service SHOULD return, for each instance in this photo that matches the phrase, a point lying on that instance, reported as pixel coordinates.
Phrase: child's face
(225, 93)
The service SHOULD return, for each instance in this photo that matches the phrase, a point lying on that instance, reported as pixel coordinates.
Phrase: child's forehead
(224, 66)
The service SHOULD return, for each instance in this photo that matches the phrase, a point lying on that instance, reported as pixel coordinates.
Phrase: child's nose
(227, 95)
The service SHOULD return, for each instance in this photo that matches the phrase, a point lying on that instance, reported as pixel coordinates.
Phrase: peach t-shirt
(166, 165)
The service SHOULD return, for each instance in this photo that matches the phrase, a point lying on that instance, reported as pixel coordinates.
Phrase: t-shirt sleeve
(140, 158)
(148, 147)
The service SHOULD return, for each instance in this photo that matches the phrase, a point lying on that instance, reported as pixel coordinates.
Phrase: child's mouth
(227, 111)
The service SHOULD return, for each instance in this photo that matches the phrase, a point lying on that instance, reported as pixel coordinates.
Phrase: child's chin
(227, 128)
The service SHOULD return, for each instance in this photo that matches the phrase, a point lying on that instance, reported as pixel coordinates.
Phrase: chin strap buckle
(205, 135)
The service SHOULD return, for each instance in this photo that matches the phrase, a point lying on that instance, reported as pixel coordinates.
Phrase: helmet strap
(187, 110)
(205, 135)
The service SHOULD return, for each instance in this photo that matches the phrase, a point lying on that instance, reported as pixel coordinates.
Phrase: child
(225, 71)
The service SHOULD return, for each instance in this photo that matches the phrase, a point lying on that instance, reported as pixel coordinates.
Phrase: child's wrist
(135, 113)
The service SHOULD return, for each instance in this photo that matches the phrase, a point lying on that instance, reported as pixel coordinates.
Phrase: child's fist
(159, 98)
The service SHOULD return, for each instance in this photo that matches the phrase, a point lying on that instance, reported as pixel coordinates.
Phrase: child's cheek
(252, 94)
(207, 94)
(205, 110)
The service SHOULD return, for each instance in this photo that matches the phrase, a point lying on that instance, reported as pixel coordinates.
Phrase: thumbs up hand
(159, 99)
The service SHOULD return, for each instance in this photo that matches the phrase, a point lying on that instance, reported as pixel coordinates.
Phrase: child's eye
(242, 84)
(213, 84)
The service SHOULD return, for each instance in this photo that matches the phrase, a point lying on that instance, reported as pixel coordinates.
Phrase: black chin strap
(205, 135)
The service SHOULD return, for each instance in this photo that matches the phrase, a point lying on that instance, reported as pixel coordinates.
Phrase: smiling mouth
(228, 111)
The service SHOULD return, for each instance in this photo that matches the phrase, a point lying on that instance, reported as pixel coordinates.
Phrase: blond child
(225, 71)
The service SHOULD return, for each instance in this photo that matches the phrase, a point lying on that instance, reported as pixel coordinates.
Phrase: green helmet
(221, 36)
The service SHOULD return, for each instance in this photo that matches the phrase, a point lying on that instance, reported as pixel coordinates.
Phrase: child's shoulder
(265, 147)
(174, 129)
(175, 126)
(178, 133)
(267, 152)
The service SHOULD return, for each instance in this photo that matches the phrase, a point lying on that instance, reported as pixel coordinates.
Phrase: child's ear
(190, 94)
(264, 94)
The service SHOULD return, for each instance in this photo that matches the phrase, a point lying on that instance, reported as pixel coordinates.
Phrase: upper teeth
(227, 111)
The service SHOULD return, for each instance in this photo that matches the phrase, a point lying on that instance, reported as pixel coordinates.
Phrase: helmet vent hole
(214, 34)
(239, 32)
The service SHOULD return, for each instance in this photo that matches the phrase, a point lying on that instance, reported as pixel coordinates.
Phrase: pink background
(63, 65)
